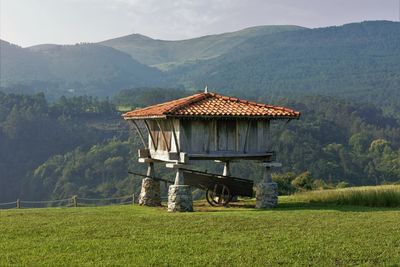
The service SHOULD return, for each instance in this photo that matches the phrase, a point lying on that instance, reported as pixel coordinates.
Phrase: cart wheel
(218, 195)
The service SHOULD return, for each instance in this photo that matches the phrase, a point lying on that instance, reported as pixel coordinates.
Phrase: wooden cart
(219, 189)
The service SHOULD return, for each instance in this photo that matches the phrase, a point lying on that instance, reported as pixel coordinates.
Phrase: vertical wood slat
(176, 141)
(253, 145)
(222, 134)
(184, 135)
(198, 135)
(260, 135)
(246, 137)
(167, 144)
(215, 134)
(237, 134)
(267, 135)
(231, 135)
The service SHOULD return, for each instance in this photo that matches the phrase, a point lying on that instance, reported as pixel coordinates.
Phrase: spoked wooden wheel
(218, 195)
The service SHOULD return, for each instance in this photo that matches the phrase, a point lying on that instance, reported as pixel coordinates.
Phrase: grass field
(372, 196)
(293, 234)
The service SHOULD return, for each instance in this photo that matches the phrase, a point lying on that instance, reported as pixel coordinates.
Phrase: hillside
(90, 69)
(293, 234)
(359, 61)
(19, 64)
(165, 54)
(82, 145)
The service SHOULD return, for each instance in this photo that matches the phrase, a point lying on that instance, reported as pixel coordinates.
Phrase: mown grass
(372, 196)
(293, 234)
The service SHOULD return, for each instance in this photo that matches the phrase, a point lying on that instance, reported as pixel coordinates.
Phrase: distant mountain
(78, 69)
(358, 60)
(167, 54)
(17, 63)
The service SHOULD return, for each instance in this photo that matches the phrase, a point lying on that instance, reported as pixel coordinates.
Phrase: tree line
(80, 145)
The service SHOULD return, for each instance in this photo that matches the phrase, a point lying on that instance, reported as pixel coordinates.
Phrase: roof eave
(233, 117)
(149, 117)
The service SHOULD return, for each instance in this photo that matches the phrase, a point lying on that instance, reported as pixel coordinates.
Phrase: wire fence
(74, 201)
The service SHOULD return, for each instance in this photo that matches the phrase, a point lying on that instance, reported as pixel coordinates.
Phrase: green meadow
(296, 233)
(372, 196)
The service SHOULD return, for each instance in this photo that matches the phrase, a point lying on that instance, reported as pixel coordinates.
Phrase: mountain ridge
(154, 52)
(82, 69)
(356, 60)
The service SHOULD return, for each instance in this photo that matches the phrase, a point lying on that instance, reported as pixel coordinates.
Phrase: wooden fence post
(75, 200)
(18, 203)
(133, 198)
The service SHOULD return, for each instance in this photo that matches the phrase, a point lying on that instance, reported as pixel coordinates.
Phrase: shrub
(284, 182)
(303, 182)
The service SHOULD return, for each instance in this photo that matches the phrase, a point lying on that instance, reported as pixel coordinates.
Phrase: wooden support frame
(246, 137)
(163, 135)
(140, 134)
(171, 123)
(151, 137)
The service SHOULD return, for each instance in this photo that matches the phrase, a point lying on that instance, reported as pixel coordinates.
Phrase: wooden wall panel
(211, 136)
(231, 135)
(222, 136)
(253, 137)
(199, 135)
(241, 133)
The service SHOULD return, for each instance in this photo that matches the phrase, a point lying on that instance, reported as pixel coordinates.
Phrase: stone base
(266, 195)
(180, 198)
(150, 193)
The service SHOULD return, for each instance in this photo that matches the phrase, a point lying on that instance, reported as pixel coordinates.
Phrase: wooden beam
(246, 137)
(151, 137)
(140, 134)
(227, 156)
(163, 135)
(174, 134)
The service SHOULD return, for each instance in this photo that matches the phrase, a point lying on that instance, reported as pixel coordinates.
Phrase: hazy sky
(29, 22)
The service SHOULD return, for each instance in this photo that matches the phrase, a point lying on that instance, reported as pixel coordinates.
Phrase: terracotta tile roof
(212, 105)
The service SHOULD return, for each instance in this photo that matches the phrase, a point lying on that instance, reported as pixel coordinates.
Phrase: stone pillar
(179, 195)
(180, 198)
(267, 190)
(150, 194)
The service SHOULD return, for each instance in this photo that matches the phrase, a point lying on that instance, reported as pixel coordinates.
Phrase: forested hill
(80, 69)
(82, 146)
(359, 61)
